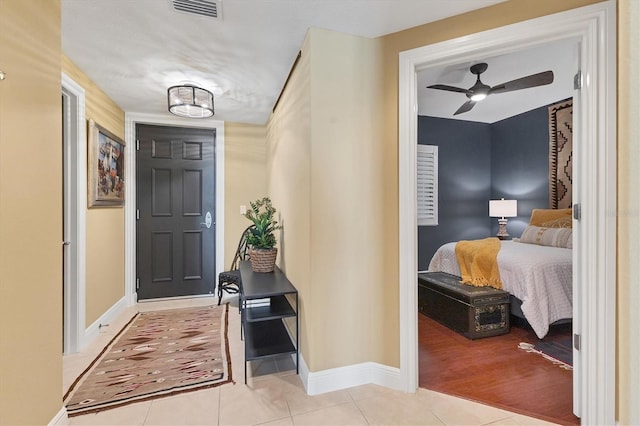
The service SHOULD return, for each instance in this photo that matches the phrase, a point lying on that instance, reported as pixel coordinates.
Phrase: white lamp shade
(503, 208)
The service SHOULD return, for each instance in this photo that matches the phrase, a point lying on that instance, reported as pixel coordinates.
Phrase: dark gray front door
(175, 175)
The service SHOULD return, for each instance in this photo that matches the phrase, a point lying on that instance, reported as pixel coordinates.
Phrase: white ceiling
(559, 57)
(135, 49)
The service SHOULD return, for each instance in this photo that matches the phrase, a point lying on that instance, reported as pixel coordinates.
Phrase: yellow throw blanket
(478, 262)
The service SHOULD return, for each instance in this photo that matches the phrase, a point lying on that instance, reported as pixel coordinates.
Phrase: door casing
(131, 119)
(75, 186)
(595, 235)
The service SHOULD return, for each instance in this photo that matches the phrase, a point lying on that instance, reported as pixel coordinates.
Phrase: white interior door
(577, 238)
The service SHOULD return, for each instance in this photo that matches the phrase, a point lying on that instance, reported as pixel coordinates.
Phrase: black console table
(265, 301)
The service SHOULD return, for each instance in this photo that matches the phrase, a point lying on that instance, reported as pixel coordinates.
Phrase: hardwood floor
(494, 371)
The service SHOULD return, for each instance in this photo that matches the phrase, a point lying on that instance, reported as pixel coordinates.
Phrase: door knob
(207, 220)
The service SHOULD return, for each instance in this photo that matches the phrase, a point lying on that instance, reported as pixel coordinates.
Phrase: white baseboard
(60, 419)
(132, 299)
(346, 377)
(112, 313)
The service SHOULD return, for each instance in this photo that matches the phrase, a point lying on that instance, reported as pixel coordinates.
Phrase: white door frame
(131, 119)
(595, 234)
(75, 188)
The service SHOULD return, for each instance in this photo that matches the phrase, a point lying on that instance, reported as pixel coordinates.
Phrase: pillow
(540, 216)
(550, 237)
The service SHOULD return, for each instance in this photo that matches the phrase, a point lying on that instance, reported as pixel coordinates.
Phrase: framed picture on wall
(105, 171)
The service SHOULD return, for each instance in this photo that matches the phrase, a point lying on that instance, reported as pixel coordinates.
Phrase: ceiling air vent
(209, 8)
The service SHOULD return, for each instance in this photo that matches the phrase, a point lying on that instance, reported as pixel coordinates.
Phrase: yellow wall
(347, 211)
(628, 212)
(245, 178)
(288, 176)
(30, 213)
(324, 160)
(105, 226)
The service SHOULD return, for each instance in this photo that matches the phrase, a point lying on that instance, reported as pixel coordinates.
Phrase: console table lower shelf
(267, 338)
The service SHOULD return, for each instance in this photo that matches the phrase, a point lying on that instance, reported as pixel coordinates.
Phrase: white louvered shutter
(427, 183)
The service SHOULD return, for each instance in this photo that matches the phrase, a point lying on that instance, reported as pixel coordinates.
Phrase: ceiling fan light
(476, 97)
(190, 101)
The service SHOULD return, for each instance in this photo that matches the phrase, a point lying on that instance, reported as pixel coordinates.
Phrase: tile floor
(274, 394)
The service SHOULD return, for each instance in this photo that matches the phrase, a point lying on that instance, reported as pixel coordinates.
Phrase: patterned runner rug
(558, 351)
(156, 354)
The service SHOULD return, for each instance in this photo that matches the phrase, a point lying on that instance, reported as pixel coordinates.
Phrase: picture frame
(105, 168)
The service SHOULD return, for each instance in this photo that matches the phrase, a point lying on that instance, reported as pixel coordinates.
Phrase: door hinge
(137, 283)
(577, 212)
(576, 341)
(137, 214)
(137, 144)
(577, 81)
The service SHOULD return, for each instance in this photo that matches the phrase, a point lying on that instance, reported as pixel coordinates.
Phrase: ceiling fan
(479, 90)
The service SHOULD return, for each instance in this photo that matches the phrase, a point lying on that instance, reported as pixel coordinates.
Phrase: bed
(535, 269)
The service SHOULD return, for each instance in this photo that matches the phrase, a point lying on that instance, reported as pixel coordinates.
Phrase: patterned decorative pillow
(540, 216)
(550, 237)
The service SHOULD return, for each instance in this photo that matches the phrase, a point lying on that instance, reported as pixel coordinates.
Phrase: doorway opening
(499, 148)
(595, 190)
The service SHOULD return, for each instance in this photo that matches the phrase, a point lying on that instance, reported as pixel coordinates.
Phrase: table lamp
(502, 209)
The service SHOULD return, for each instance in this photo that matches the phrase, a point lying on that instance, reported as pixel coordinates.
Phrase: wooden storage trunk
(474, 312)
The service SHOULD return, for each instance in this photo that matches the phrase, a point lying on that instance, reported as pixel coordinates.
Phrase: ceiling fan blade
(533, 80)
(447, 88)
(465, 107)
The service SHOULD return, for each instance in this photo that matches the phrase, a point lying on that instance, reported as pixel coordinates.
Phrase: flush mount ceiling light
(190, 101)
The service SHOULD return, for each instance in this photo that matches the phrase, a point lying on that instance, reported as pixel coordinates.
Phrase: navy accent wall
(478, 162)
(464, 182)
(520, 165)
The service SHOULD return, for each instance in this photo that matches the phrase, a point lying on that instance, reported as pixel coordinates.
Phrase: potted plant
(261, 240)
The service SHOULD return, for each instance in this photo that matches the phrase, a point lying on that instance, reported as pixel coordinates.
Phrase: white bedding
(540, 276)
